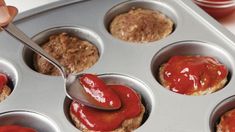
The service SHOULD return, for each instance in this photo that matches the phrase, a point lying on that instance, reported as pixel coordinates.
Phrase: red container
(217, 8)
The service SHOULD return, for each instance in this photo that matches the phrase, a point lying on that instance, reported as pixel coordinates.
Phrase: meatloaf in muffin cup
(227, 122)
(72, 52)
(193, 75)
(141, 25)
(125, 119)
(5, 89)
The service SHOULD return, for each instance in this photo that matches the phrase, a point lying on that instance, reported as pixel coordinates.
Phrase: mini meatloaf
(126, 119)
(141, 25)
(193, 75)
(227, 122)
(73, 53)
(128, 125)
(5, 90)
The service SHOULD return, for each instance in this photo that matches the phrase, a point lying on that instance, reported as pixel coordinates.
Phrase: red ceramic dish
(217, 8)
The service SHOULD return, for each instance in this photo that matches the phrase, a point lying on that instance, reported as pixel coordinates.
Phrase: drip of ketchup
(228, 122)
(3, 81)
(99, 93)
(189, 74)
(100, 120)
(15, 128)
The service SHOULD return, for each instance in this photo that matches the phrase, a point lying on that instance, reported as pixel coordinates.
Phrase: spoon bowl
(73, 88)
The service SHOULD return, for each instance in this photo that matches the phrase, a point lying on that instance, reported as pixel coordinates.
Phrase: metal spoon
(73, 89)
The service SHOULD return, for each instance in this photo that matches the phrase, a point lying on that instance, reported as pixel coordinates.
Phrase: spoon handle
(22, 37)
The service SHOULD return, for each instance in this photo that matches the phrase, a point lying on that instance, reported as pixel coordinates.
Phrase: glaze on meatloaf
(125, 119)
(227, 122)
(73, 53)
(141, 25)
(193, 75)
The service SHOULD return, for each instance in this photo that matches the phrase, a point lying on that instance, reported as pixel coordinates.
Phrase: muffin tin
(39, 101)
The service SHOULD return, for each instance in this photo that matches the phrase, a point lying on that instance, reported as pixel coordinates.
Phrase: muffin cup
(11, 72)
(118, 79)
(189, 48)
(33, 120)
(223, 107)
(128, 5)
(42, 37)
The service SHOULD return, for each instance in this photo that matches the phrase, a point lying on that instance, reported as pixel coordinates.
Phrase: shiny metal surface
(195, 33)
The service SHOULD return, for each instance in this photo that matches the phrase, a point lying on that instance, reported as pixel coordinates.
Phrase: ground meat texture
(6, 91)
(141, 25)
(73, 53)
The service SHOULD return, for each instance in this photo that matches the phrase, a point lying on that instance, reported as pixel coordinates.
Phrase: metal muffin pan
(130, 63)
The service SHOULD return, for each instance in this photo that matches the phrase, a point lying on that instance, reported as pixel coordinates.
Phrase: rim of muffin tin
(81, 32)
(12, 72)
(191, 47)
(24, 118)
(137, 85)
(125, 6)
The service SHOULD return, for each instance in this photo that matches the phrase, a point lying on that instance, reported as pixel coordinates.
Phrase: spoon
(73, 88)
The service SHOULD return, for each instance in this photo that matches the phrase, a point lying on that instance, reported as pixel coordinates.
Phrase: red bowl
(217, 8)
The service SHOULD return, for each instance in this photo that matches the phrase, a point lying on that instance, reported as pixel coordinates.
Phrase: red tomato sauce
(100, 120)
(228, 122)
(98, 92)
(189, 74)
(3, 81)
(15, 128)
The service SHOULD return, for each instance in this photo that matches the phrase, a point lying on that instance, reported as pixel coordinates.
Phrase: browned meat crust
(127, 126)
(5, 92)
(73, 53)
(141, 25)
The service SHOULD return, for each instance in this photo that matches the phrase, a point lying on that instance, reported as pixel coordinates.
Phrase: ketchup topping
(3, 81)
(228, 122)
(100, 120)
(99, 93)
(189, 74)
(15, 128)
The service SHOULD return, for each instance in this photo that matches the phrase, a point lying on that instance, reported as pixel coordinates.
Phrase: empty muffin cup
(194, 49)
(8, 78)
(33, 120)
(117, 79)
(140, 21)
(76, 48)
